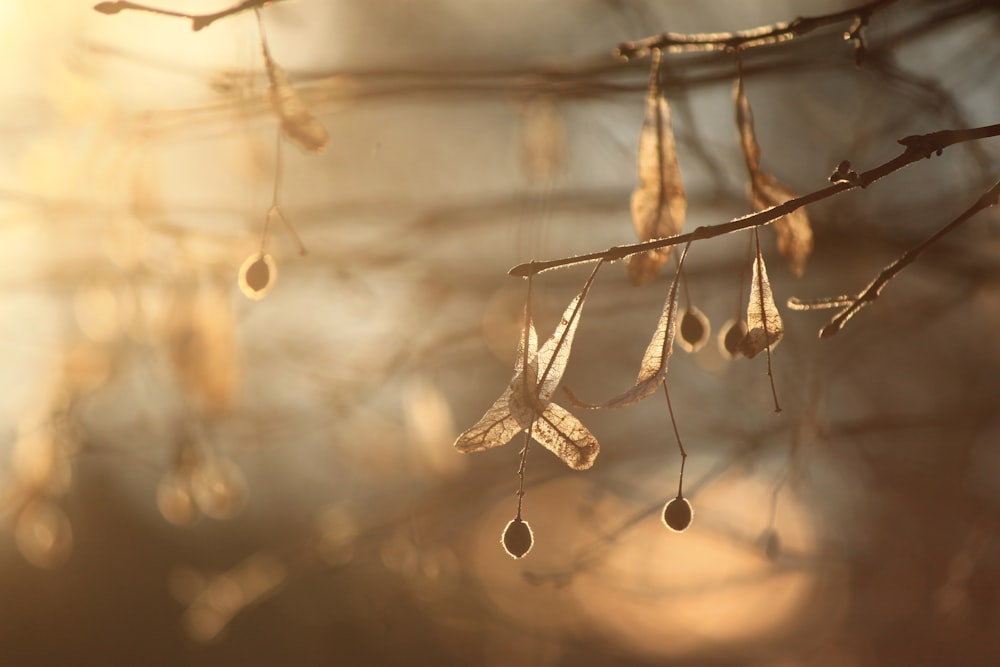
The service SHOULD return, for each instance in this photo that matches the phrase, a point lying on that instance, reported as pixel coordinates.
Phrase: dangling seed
(517, 538)
(695, 329)
(677, 514)
(731, 337)
(257, 275)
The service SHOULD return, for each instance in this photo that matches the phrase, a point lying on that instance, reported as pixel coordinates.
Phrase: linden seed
(677, 514)
(257, 275)
(517, 539)
(694, 330)
(732, 337)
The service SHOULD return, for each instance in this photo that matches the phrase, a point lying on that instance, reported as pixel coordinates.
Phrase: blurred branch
(198, 21)
(916, 147)
(745, 39)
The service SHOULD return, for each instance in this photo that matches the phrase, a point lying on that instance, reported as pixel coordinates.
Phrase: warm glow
(657, 591)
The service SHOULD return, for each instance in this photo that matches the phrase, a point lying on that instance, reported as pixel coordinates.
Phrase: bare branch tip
(829, 330)
(108, 7)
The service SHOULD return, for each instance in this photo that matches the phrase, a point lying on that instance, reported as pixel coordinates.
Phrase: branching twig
(198, 21)
(916, 147)
(672, 42)
(990, 198)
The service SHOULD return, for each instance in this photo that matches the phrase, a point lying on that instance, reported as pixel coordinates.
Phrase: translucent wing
(497, 427)
(654, 362)
(297, 123)
(562, 434)
(795, 237)
(764, 325)
(658, 204)
(554, 355)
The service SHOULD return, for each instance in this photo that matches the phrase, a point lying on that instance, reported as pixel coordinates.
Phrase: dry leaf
(653, 370)
(525, 403)
(562, 434)
(297, 123)
(795, 237)
(764, 325)
(658, 204)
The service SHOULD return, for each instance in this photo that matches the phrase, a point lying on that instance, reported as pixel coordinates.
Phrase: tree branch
(673, 42)
(869, 294)
(916, 147)
(198, 21)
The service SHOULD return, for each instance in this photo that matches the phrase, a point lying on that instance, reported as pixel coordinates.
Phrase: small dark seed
(258, 275)
(694, 329)
(517, 539)
(677, 514)
(733, 337)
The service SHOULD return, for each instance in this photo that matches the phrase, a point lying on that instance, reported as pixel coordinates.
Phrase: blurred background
(192, 477)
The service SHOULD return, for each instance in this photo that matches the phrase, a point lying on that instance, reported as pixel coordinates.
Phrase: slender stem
(520, 469)
(916, 147)
(745, 39)
(871, 293)
(524, 340)
(680, 446)
(775, 493)
(275, 209)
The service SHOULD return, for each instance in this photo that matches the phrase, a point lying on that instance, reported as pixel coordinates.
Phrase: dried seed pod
(257, 275)
(695, 329)
(219, 488)
(730, 337)
(43, 534)
(677, 514)
(517, 538)
(174, 498)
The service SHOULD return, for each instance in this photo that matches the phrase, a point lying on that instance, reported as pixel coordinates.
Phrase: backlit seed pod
(732, 334)
(257, 275)
(695, 330)
(677, 514)
(517, 538)
(174, 498)
(219, 488)
(43, 534)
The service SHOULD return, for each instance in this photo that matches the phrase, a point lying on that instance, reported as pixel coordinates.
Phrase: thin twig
(990, 198)
(524, 379)
(198, 21)
(677, 435)
(673, 42)
(520, 469)
(916, 147)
